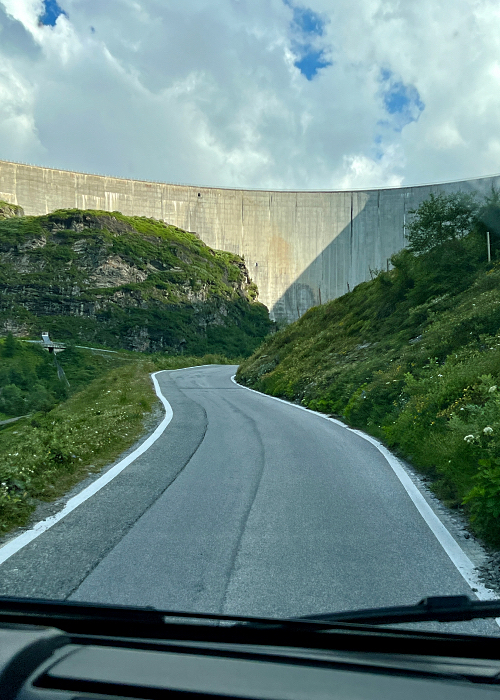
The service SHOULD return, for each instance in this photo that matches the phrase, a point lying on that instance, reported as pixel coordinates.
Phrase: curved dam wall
(301, 248)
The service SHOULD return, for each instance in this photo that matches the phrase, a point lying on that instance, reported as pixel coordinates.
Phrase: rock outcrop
(7, 211)
(127, 282)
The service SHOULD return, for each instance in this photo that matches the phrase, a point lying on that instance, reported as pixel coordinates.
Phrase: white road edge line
(457, 555)
(17, 543)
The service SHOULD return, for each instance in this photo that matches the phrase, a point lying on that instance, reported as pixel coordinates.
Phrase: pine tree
(10, 346)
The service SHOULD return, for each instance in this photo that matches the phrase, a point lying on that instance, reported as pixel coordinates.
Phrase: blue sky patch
(402, 102)
(51, 12)
(311, 63)
(307, 27)
(305, 20)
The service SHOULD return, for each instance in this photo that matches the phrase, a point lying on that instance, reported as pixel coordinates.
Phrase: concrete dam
(301, 248)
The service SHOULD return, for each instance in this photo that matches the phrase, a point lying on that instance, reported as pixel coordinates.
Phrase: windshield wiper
(451, 608)
(437, 608)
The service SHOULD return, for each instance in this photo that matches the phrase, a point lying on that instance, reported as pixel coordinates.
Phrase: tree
(489, 219)
(10, 346)
(442, 218)
(12, 400)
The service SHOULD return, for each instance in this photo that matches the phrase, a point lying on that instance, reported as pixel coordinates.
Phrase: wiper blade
(61, 611)
(438, 608)
(452, 608)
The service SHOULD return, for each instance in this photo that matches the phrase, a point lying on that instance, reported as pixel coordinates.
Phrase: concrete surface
(301, 248)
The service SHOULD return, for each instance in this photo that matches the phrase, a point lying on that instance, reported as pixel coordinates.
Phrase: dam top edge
(258, 189)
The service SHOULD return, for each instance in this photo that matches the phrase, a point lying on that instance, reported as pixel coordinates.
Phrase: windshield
(273, 390)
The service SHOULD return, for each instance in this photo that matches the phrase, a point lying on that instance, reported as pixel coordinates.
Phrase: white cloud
(25, 11)
(210, 94)
(444, 135)
(359, 169)
(17, 127)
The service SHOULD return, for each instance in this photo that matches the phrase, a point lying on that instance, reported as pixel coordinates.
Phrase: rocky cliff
(124, 282)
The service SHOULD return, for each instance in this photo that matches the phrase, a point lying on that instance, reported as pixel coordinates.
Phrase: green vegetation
(45, 454)
(100, 278)
(413, 357)
(29, 380)
(9, 210)
(155, 293)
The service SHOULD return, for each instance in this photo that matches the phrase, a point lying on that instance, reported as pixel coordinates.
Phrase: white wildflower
(492, 389)
(469, 438)
(488, 430)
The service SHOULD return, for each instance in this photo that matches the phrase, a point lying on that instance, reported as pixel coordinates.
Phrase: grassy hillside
(413, 358)
(106, 280)
(99, 278)
(110, 402)
(29, 380)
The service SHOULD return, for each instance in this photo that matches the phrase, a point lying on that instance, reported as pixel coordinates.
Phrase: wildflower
(469, 438)
(440, 375)
(488, 430)
(492, 389)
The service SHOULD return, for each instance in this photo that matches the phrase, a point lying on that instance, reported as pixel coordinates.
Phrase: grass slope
(45, 454)
(413, 358)
(29, 380)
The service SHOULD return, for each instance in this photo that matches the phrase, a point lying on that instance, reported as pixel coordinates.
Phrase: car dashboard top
(75, 658)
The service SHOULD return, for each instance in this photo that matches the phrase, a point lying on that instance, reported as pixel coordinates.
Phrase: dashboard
(48, 663)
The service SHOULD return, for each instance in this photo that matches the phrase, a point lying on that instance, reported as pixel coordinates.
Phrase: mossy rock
(8, 211)
(102, 278)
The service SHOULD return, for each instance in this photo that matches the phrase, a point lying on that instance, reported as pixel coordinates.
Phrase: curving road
(245, 505)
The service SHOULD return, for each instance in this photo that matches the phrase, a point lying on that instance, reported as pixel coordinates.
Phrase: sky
(270, 94)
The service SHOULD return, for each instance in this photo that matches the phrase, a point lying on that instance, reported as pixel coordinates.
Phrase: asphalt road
(245, 505)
